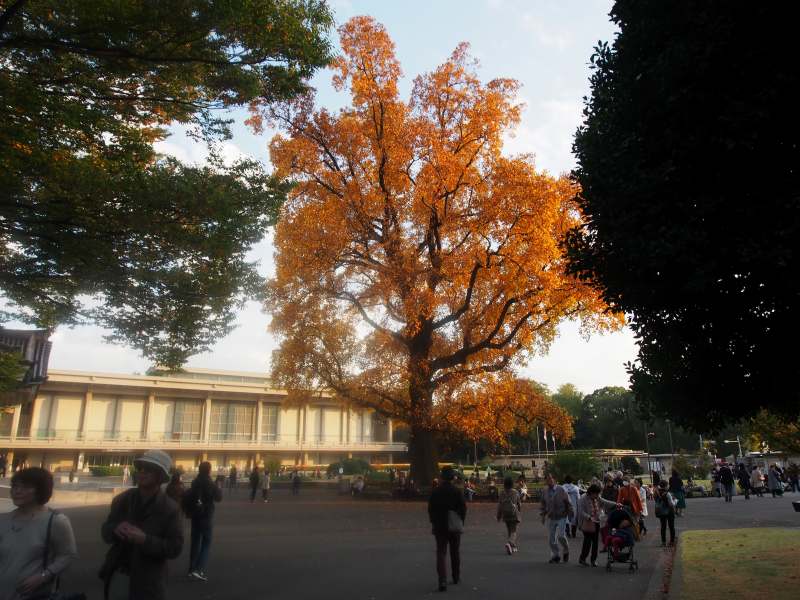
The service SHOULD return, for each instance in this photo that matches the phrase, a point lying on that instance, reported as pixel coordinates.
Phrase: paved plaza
(326, 547)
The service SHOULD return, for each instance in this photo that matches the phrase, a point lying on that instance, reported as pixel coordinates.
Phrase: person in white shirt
(574, 493)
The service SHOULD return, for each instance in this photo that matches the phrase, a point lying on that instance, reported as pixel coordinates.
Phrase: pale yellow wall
(330, 426)
(41, 412)
(100, 414)
(130, 415)
(66, 415)
(287, 423)
(61, 461)
(312, 426)
(163, 413)
(368, 430)
(355, 426)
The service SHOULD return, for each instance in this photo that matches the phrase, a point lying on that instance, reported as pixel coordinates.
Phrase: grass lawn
(740, 563)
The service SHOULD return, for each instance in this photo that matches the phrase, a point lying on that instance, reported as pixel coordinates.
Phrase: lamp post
(738, 443)
(647, 436)
(671, 448)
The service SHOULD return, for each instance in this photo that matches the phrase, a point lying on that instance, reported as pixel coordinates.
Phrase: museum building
(82, 419)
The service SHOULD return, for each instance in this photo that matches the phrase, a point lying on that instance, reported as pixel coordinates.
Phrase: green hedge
(106, 471)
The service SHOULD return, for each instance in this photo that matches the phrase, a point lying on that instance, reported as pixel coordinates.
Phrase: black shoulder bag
(54, 593)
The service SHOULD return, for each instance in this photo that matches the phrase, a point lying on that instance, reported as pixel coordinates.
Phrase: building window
(231, 421)
(188, 419)
(269, 422)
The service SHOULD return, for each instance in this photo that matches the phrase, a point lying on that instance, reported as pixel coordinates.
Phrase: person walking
(757, 481)
(36, 544)
(678, 493)
(643, 494)
(610, 491)
(774, 481)
(175, 488)
(199, 505)
(296, 484)
(265, 484)
(665, 512)
(590, 512)
(726, 480)
(793, 475)
(145, 530)
(233, 476)
(126, 475)
(447, 512)
(509, 510)
(555, 510)
(744, 480)
(255, 483)
(629, 495)
(573, 493)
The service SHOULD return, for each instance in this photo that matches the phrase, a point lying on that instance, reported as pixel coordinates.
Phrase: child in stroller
(619, 538)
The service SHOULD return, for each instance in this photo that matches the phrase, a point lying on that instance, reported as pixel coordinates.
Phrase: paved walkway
(330, 547)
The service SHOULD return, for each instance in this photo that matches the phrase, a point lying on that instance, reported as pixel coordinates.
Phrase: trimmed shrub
(351, 466)
(103, 471)
(580, 465)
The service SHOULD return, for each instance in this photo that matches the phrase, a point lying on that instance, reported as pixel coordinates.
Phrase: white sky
(546, 46)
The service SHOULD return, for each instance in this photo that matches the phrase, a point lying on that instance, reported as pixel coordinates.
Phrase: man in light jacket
(556, 509)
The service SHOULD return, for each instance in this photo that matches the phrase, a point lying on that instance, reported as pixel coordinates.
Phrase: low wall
(62, 497)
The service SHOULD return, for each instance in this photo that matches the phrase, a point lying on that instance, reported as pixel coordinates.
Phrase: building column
(391, 431)
(207, 419)
(259, 419)
(341, 425)
(148, 415)
(348, 418)
(84, 422)
(305, 423)
(15, 424)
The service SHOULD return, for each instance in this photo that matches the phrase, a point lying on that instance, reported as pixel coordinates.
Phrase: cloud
(546, 131)
(548, 37)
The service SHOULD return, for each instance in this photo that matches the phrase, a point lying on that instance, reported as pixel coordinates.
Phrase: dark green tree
(569, 398)
(87, 208)
(687, 162)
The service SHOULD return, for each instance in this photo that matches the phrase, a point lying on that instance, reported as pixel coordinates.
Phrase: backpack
(663, 505)
(508, 508)
(192, 503)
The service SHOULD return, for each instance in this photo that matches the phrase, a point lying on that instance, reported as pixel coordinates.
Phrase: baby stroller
(619, 545)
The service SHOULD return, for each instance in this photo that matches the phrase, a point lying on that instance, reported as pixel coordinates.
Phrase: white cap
(158, 458)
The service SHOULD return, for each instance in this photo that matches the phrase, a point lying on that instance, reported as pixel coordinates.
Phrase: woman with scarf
(590, 511)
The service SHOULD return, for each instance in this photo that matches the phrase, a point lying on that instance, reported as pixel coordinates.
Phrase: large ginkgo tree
(415, 263)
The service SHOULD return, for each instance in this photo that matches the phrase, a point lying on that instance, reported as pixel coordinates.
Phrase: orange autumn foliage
(502, 407)
(413, 259)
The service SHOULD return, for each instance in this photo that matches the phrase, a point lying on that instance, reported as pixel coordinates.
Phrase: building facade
(81, 419)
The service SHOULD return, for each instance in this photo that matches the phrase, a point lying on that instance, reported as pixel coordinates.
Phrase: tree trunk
(423, 454)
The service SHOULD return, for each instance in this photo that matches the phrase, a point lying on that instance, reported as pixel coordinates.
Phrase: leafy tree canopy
(570, 398)
(87, 209)
(687, 165)
(414, 262)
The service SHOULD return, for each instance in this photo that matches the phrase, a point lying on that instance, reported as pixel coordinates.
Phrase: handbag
(54, 593)
(454, 522)
(588, 526)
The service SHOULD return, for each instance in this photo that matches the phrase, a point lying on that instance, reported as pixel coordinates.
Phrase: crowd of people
(612, 511)
(144, 527)
(753, 481)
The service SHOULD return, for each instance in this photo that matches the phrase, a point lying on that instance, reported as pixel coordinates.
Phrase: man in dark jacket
(145, 530)
(726, 479)
(199, 507)
(445, 498)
